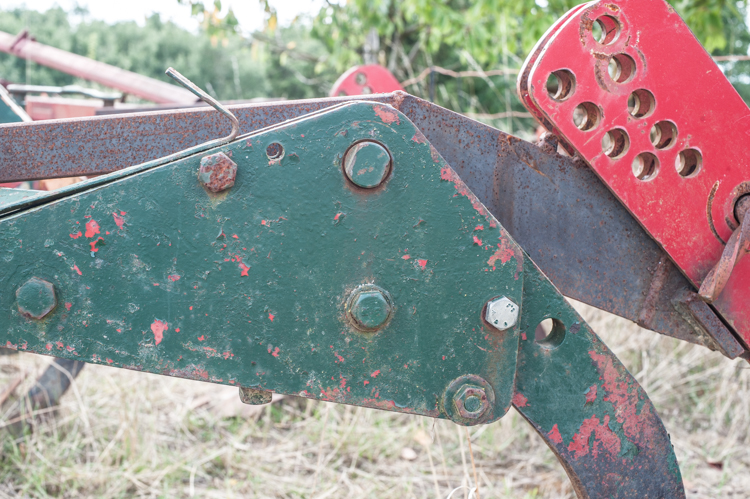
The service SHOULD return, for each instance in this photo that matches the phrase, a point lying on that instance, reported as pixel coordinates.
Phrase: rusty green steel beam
(279, 262)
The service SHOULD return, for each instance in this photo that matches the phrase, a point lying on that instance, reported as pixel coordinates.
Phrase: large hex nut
(36, 298)
(217, 172)
(471, 402)
(502, 313)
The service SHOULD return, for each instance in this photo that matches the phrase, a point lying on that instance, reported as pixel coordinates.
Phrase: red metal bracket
(640, 99)
(369, 79)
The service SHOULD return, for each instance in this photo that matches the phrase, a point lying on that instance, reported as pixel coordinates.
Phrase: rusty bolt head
(471, 402)
(502, 313)
(253, 396)
(217, 172)
(36, 298)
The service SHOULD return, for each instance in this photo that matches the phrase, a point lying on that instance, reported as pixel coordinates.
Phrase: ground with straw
(124, 434)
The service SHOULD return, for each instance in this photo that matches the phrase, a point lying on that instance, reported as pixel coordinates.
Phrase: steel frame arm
(556, 207)
(335, 257)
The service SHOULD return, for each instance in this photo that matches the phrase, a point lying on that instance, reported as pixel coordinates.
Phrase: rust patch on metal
(648, 308)
(217, 172)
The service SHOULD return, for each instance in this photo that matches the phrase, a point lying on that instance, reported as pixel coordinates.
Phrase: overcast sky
(249, 12)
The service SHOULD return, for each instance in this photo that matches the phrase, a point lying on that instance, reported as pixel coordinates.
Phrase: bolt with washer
(471, 402)
(502, 313)
(369, 307)
(36, 298)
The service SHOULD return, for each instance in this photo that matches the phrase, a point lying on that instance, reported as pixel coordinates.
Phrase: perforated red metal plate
(368, 79)
(641, 100)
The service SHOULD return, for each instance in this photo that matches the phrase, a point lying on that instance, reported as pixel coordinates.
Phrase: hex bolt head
(36, 298)
(367, 164)
(502, 313)
(217, 172)
(471, 402)
(253, 396)
(369, 307)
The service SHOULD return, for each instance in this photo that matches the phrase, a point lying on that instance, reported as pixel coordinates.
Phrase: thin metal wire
(175, 75)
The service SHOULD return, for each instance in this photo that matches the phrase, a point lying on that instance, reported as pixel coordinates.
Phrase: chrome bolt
(502, 313)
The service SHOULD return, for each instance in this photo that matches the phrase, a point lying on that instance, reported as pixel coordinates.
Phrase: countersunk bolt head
(217, 172)
(367, 164)
(36, 298)
(254, 396)
(369, 307)
(471, 402)
(502, 313)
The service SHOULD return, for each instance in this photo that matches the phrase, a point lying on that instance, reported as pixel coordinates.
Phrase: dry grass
(123, 434)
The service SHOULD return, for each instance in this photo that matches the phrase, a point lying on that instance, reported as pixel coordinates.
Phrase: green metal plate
(250, 286)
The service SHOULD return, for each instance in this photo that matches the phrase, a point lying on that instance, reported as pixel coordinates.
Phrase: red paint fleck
(422, 263)
(226, 355)
(68, 305)
(477, 241)
(201, 338)
(443, 357)
(343, 382)
(118, 330)
(235, 236)
(123, 212)
(387, 114)
(156, 284)
(275, 352)
(70, 348)
(479, 227)
(367, 382)
(92, 228)
(419, 137)
(191, 307)
(75, 267)
(591, 394)
(59, 344)
(158, 328)
(339, 358)
(76, 235)
(173, 277)
(523, 336)
(109, 361)
(176, 330)
(263, 222)
(48, 346)
(605, 440)
(244, 268)
(94, 249)
(119, 221)
(375, 374)
(271, 316)
(519, 400)
(337, 216)
(405, 257)
(554, 435)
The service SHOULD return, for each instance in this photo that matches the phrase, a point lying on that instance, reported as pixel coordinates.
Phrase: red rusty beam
(99, 72)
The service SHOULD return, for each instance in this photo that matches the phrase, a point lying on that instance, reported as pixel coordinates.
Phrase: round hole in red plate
(605, 30)
(641, 103)
(621, 68)
(561, 84)
(615, 143)
(645, 166)
(586, 116)
(663, 134)
(689, 162)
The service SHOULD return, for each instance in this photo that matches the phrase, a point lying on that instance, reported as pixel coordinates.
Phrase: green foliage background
(303, 60)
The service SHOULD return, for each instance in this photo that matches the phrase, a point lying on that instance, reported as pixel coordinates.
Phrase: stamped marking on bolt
(502, 313)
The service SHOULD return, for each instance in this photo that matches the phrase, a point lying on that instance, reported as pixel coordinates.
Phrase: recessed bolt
(369, 307)
(253, 396)
(367, 164)
(502, 313)
(36, 298)
(217, 172)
